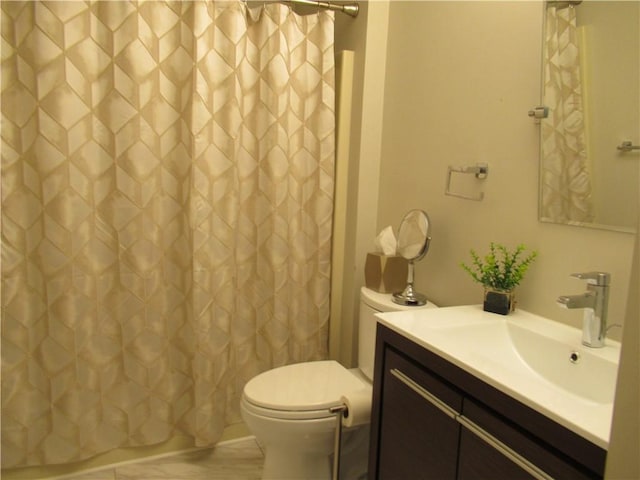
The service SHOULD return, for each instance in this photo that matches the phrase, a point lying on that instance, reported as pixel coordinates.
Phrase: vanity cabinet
(433, 420)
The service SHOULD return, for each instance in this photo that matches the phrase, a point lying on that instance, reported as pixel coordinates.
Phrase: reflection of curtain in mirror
(566, 184)
(167, 185)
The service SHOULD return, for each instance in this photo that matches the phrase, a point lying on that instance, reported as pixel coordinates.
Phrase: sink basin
(572, 367)
(538, 361)
(548, 351)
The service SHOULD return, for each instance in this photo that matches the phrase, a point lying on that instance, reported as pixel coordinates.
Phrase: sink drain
(574, 357)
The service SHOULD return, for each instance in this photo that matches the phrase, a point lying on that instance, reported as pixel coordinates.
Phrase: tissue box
(385, 273)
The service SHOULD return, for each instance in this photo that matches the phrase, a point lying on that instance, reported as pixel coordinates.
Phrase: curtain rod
(350, 9)
(564, 3)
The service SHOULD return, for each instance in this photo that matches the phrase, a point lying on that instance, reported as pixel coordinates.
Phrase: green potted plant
(499, 272)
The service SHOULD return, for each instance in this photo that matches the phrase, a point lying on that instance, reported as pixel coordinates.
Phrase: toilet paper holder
(339, 411)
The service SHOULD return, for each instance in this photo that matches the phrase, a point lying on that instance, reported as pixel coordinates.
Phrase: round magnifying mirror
(413, 242)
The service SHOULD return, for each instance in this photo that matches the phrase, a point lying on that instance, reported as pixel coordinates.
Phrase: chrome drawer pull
(516, 458)
(428, 396)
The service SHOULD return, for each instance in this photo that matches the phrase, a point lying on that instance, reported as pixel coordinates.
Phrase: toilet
(287, 408)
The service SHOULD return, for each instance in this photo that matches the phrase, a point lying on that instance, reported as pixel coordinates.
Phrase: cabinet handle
(428, 396)
(504, 449)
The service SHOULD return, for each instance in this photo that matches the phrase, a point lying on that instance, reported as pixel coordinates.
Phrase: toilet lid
(302, 386)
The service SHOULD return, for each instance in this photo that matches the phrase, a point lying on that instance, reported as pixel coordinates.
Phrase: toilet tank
(371, 303)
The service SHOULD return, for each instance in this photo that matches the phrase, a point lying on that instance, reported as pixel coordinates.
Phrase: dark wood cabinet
(433, 420)
(408, 423)
(480, 460)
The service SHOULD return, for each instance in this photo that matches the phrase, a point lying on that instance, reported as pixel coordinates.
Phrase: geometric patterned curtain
(565, 173)
(167, 197)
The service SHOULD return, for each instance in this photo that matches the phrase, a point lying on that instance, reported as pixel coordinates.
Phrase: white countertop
(525, 356)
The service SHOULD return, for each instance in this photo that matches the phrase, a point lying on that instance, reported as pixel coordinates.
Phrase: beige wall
(460, 79)
(450, 83)
(367, 36)
(623, 461)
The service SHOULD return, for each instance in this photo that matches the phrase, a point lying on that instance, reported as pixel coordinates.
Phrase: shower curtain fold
(167, 195)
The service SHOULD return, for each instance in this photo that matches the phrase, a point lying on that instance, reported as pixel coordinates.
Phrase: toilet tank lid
(302, 386)
(382, 302)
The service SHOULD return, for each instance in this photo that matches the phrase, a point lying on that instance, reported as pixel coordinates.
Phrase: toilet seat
(300, 391)
(286, 414)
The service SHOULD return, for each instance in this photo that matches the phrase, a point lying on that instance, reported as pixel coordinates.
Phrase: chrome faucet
(595, 302)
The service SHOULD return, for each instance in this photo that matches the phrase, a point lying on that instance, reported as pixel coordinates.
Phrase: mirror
(413, 243)
(592, 91)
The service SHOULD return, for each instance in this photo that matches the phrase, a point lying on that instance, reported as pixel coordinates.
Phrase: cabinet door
(479, 460)
(493, 447)
(418, 439)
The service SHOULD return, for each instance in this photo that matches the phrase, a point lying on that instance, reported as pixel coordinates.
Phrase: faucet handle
(594, 278)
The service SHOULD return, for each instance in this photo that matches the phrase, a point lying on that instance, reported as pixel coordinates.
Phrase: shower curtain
(566, 182)
(167, 195)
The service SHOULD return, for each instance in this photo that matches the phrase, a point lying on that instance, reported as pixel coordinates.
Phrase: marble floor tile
(237, 460)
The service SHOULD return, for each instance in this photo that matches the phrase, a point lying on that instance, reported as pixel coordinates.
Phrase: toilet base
(283, 464)
(280, 464)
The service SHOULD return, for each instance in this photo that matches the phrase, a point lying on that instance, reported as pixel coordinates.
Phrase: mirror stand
(413, 243)
(408, 296)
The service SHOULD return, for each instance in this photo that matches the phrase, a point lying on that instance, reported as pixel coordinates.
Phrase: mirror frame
(411, 218)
